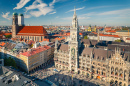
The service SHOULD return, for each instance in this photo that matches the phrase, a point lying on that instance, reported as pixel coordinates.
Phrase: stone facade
(101, 64)
(35, 33)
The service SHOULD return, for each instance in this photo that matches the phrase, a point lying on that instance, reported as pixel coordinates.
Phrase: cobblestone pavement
(65, 78)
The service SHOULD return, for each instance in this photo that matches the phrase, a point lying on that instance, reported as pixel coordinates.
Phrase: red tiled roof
(1, 33)
(80, 34)
(2, 43)
(45, 39)
(127, 38)
(35, 51)
(60, 38)
(108, 28)
(32, 30)
(111, 31)
(7, 33)
(109, 35)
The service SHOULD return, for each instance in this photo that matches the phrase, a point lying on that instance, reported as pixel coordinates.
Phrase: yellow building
(95, 29)
(35, 58)
(89, 28)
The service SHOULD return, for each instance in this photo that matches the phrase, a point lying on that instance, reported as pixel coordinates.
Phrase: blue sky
(60, 12)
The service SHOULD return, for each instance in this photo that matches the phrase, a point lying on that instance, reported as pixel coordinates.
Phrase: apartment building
(35, 58)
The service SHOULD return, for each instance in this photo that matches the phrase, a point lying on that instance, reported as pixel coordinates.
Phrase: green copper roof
(20, 14)
(15, 13)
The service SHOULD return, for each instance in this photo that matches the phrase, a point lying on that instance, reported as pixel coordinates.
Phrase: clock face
(73, 51)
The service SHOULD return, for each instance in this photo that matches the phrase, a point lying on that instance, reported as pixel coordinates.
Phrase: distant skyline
(60, 12)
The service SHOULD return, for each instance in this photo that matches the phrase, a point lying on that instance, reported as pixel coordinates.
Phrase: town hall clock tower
(74, 44)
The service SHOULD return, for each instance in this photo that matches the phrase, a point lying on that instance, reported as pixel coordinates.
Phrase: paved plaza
(65, 78)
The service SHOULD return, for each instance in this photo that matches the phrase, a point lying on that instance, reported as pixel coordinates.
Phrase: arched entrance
(78, 72)
(72, 71)
(120, 83)
(116, 83)
(111, 82)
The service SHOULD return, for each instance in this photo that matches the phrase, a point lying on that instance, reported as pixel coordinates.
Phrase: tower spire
(74, 11)
(75, 20)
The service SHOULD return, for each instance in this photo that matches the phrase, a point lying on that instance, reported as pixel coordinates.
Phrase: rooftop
(8, 77)
(116, 36)
(123, 31)
(32, 30)
(34, 51)
(15, 13)
(20, 14)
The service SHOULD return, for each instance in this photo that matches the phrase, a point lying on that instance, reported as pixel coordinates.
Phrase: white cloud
(21, 4)
(88, 14)
(52, 13)
(67, 18)
(80, 17)
(3, 21)
(39, 8)
(6, 15)
(52, 3)
(98, 7)
(117, 12)
(83, 17)
(57, 16)
(76, 9)
(27, 16)
(37, 4)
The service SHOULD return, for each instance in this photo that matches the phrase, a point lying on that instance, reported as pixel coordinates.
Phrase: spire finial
(74, 11)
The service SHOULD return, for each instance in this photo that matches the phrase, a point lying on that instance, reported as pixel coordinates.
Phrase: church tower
(14, 25)
(74, 44)
(21, 20)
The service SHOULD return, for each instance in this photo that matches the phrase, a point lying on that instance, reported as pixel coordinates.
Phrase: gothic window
(37, 38)
(41, 38)
(116, 71)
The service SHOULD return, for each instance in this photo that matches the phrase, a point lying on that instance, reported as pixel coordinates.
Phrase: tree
(85, 37)
(10, 62)
(8, 36)
(118, 40)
